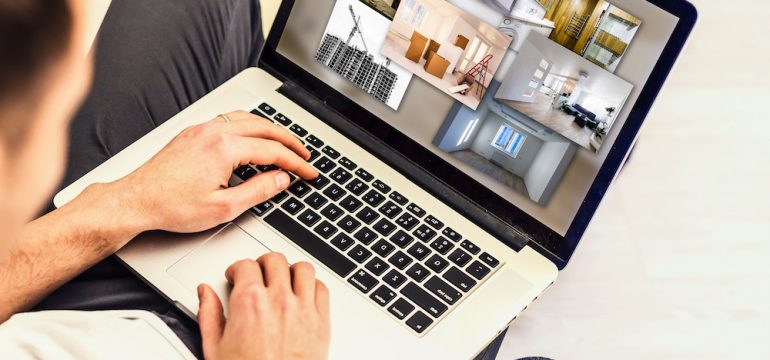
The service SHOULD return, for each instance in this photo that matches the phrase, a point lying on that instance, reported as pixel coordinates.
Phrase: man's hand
(184, 188)
(275, 312)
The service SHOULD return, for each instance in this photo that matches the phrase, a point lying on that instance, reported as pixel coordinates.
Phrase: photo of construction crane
(350, 45)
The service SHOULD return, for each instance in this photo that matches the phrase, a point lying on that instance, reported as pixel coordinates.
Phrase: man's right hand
(276, 311)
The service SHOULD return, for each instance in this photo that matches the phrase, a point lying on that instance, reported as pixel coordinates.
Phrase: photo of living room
(507, 147)
(564, 92)
(447, 47)
(594, 29)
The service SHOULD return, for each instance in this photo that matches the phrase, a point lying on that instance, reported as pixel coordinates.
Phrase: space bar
(316, 247)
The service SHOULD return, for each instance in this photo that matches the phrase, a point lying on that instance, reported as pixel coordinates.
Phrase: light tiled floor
(555, 119)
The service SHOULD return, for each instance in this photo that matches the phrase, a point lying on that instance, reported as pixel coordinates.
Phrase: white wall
(547, 169)
(456, 129)
(520, 73)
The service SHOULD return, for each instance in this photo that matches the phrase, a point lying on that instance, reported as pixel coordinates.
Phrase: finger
(249, 125)
(269, 152)
(211, 320)
(256, 190)
(245, 273)
(322, 299)
(276, 270)
(303, 280)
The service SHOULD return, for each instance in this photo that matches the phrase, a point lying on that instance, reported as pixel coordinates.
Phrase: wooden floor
(555, 119)
(480, 163)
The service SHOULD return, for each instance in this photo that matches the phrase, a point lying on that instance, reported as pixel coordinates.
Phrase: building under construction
(358, 66)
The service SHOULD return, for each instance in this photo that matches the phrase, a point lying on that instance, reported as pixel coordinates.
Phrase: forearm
(57, 247)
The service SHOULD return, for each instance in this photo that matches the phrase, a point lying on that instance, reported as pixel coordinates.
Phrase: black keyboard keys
(312, 140)
(341, 176)
(489, 260)
(377, 266)
(459, 257)
(419, 251)
(293, 206)
(442, 290)
(394, 279)
(417, 272)
(299, 130)
(262, 208)
(424, 300)
(416, 210)
(400, 260)
(357, 187)
(382, 296)
(471, 247)
(364, 175)
(424, 233)
(401, 308)
(359, 254)
(432, 221)
(325, 229)
(477, 270)
(334, 192)
(267, 109)
(280, 197)
(309, 217)
(398, 198)
(245, 172)
(347, 164)
(381, 186)
(332, 212)
(282, 119)
(407, 221)
(367, 215)
(299, 189)
(342, 242)
(441, 245)
(314, 154)
(330, 152)
(437, 263)
(383, 248)
(325, 165)
(459, 279)
(373, 198)
(319, 182)
(365, 235)
(419, 322)
(350, 203)
(401, 238)
(363, 281)
(390, 209)
(315, 200)
(451, 234)
(384, 227)
(349, 224)
(309, 242)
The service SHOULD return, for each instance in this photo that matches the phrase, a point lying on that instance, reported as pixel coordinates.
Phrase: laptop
(463, 147)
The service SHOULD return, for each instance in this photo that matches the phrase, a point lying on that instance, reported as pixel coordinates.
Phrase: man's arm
(182, 189)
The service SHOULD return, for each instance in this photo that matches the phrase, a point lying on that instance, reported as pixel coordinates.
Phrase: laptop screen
(526, 97)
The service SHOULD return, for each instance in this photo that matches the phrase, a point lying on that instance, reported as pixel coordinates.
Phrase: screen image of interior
(545, 111)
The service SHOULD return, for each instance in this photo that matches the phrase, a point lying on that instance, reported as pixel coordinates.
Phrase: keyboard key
(319, 182)
(423, 299)
(401, 308)
(419, 322)
(332, 212)
(312, 140)
(432, 221)
(437, 263)
(315, 200)
(382, 296)
(384, 227)
(364, 175)
(267, 109)
(471, 247)
(451, 234)
(367, 215)
(330, 152)
(299, 189)
(489, 260)
(381, 186)
(325, 165)
(363, 281)
(377, 266)
(261, 114)
(359, 254)
(407, 221)
(459, 257)
(457, 278)
(341, 176)
(351, 204)
(314, 154)
(293, 206)
(442, 290)
(299, 130)
(417, 272)
(262, 208)
(309, 217)
(441, 245)
(325, 229)
(416, 210)
(347, 164)
(383, 248)
(309, 242)
(373, 198)
(357, 187)
(342, 241)
(394, 279)
(390, 209)
(349, 224)
(280, 197)
(398, 198)
(400, 260)
(334, 192)
(266, 168)
(401, 238)
(365, 235)
(419, 251)
(282, 119)
(477, 270)
(424, 233)
(245, 172)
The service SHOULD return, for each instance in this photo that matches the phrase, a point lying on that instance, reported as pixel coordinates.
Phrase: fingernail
(282, 180)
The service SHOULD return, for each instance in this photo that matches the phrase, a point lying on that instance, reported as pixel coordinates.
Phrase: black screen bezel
(551, 244)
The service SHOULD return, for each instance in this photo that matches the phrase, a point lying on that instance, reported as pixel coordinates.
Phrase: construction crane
(356, 28)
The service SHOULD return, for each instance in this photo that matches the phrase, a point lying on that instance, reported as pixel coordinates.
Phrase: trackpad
(207, 263)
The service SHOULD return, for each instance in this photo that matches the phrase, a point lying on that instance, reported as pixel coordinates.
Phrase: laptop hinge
(478, 215)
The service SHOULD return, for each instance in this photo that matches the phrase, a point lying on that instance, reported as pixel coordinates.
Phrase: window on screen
(509, 140)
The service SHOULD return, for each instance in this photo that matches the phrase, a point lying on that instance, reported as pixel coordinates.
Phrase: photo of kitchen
(447, 47)
(564, 92)
(594, 29)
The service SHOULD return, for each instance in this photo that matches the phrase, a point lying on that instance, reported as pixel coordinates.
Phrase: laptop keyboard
(388, 248)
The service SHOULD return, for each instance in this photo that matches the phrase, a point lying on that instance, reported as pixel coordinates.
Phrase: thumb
(211, 320)
(258, 189)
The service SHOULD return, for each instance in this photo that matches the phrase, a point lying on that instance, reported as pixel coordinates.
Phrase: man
(276, 311)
